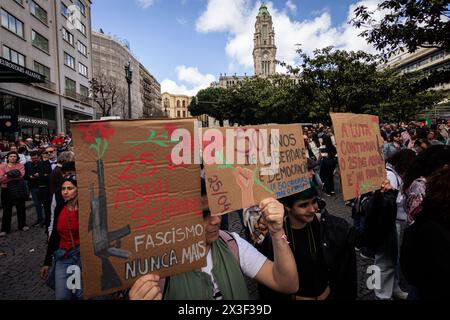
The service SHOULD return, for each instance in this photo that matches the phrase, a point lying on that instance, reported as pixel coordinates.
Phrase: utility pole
(129, 77)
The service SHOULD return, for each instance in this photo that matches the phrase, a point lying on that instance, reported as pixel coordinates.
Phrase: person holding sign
(323, 247)
(328, 153)
(222, 278)
(64, 245)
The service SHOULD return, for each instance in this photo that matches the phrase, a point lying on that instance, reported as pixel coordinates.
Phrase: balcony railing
(78, 97)
(47, 85)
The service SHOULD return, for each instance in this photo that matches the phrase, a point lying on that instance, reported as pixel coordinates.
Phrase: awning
(14, 73)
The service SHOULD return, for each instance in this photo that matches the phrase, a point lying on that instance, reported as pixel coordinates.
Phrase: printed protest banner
(139, 212)
(245, 165)
(360, 153)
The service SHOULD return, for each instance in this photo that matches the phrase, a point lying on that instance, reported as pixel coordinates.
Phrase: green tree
(352, 82)
(408, 24)
(342, 81)
(402, 96)
(209, 101)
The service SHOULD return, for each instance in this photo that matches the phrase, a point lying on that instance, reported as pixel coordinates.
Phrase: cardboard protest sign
(245, 165)
(139, 213)
(360, 153)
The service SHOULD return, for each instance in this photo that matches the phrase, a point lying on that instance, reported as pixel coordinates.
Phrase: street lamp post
(129, 77)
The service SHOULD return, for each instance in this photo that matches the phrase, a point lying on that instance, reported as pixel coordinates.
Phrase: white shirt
(397, 184)
(251, 261)
(53, 163)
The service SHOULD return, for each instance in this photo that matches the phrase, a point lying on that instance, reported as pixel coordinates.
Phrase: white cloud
(224, 15)
(146, 3)
(291, 6)
(190, 81)
(237, 19)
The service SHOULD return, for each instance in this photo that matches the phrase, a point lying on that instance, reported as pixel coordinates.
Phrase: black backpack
(380, 215)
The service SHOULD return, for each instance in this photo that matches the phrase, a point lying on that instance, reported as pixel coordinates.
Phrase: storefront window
(33, 117)
(49, 112)
(31, 108)
(8, 104)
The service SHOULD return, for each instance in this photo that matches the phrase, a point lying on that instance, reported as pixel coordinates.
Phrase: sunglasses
(49, 152)
(70, 176)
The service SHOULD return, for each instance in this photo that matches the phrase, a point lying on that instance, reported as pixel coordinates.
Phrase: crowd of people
(301, 252)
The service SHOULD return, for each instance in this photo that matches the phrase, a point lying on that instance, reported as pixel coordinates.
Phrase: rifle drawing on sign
(106, 244)
(102, 238)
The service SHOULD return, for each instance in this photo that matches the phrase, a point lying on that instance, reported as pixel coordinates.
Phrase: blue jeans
(37, 203)
(65, 259)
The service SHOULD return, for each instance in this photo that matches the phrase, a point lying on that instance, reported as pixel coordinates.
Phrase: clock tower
(265, 51)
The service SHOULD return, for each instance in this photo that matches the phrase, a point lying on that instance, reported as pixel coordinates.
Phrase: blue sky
(186, 44)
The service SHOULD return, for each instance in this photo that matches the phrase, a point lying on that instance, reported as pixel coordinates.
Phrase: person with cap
(323, 247)
(313, 168)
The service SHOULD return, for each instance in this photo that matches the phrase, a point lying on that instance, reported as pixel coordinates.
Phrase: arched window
(178, 103)
(184, 104)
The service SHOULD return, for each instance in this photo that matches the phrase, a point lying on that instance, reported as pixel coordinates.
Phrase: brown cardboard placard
(360, 152)
(232, 185)
(139, 213)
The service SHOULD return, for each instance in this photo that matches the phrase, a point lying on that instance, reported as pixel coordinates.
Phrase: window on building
(84, 91)
(80, 4)
(64, 10)
(178, 114)
(49, 112)
(71, 86)
(82, 48)
(39, 41)
(178, 103)
(184, 114)
(40, 68)
(69, 60)
(264, 31)
(37, 11)
(13, 56)
(82, 69)
(12, 23)
(81, 27)
(184, 104)
(67, 36)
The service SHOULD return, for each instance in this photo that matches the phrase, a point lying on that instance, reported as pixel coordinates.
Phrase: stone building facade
(150, 94)
(53, 39)
(176, 105)
(110, 55)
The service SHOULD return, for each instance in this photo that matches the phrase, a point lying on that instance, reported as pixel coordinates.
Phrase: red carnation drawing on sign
(96, 134)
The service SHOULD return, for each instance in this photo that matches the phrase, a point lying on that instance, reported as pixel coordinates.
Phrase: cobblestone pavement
(22, 254)
(20, 265)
